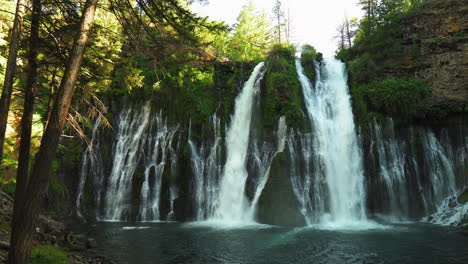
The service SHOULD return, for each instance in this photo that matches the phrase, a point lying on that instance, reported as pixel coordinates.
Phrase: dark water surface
(178, 243)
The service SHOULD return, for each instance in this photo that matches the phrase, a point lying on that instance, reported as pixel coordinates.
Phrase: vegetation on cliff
(308, 58)
(383, 55)
(188, 66)
(281, 95)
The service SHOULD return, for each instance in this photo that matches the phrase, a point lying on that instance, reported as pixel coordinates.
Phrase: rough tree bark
(21, 242)
(10, 72)
(28, 110)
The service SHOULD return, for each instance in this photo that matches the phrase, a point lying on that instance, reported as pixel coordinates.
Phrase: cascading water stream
(207, 168)
(307, 180)
(392, 162)
(158, 144)
(173, 190)
(335, 142)
(265, 163)
(91, 164)
(132, 126)
(233, 204)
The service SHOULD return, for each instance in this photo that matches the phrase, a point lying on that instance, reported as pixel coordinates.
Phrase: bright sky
(313, 21)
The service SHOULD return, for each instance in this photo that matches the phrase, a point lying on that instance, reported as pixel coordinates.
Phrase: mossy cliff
(413, 68)
(281, 92)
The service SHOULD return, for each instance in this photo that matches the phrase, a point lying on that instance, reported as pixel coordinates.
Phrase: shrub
(48, 255)
(8, 187)
(281, 94)
(308, 56)
(399, 98)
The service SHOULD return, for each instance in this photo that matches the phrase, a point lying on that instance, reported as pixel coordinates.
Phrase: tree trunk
(5, 99)
(348, 32)
(28, 110)
(21, 241)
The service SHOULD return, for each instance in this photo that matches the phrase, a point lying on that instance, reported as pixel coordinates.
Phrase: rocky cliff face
(435, 48)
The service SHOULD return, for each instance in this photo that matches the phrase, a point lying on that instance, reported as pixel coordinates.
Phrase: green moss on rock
(281, 95)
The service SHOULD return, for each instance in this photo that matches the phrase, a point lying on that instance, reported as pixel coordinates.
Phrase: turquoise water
(198, 243)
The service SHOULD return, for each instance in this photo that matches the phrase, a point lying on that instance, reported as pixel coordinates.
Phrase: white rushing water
(417, 168)
(307, 180)
(146, 141)
(132, 125)
(207, 169)
(233, 204)
(391, 157)
(91, 165)
(335, 143)
(263, 162)
(158, 145)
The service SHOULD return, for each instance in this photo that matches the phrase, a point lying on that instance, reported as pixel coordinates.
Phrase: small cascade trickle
(307, 180)
(130, 136)
(263, 160)
(391, 156)
(207, 168)
(173, 189)
(91, 166)
(233, 204)
(439, 168)
(432, 173)
(157, 147)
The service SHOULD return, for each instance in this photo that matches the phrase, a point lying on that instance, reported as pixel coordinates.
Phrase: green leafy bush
(399, 98)
(8, 187)
(308, 56)
(282, 94)
(48, 255)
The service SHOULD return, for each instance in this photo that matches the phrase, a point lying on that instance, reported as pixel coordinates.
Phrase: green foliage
(48, 255)
(282, 94)
(8, 187)
(308, 56)
(252, 36)
(8, 174)
(399, 98)
(463, 197)
(363, 68)
(377, 47)
(70, 152)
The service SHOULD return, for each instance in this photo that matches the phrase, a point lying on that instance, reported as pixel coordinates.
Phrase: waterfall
(91, 165)
(206, 164)
(158, 144)
(307, 179)
(132, 125)
(335, 142)
(233, 204)
(392, 173)
(173, 190)
(440, 168)
(417, 168)
(143, 143)
(263, 159)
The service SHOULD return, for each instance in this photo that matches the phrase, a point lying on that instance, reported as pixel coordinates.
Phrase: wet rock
(91, 243)
(463, 197)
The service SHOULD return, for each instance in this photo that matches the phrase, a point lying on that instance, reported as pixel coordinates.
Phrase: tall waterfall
(335, 142)
(233, 204)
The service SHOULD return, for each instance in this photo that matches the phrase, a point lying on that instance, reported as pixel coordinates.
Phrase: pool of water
(179, 243)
